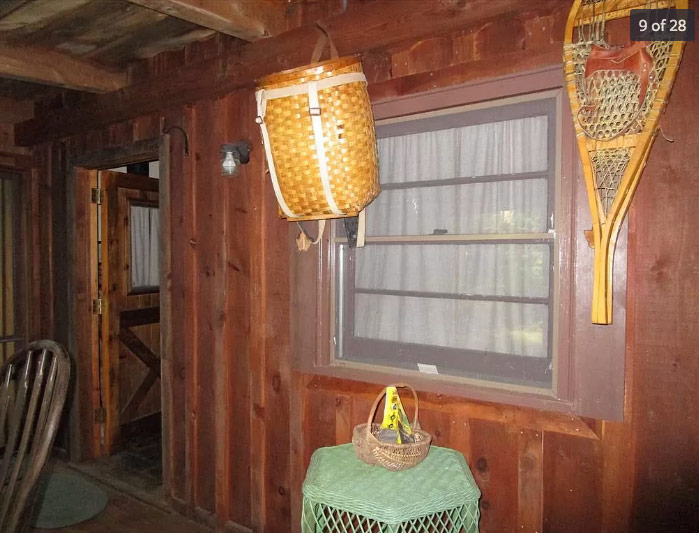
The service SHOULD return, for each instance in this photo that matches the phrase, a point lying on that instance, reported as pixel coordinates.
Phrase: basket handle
(372, 413)
(324, 40)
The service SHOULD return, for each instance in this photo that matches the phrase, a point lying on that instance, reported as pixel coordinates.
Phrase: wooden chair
(32, 393)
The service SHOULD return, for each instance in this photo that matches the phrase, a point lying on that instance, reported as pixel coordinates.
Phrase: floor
(137, 467)
(133, 479)
(125, 514)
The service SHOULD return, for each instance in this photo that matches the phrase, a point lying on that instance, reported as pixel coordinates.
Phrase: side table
(341, 494)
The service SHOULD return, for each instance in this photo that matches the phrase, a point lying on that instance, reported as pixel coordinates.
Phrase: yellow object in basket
(395, 421)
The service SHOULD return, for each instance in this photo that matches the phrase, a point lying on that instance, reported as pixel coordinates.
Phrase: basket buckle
(314, 111)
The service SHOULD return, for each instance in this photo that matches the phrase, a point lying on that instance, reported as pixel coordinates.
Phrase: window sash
(487, 366)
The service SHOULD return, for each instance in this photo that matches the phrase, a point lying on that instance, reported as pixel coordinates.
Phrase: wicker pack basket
(318, 133)
(389, 455)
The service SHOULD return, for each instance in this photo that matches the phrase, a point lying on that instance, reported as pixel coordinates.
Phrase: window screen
(457, 271)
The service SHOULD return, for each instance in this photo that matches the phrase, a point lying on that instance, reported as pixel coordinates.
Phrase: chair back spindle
(33, 387)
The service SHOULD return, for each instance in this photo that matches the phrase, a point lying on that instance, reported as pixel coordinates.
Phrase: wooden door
(130, 354)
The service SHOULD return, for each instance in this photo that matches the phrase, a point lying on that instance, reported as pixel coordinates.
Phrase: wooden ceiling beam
(243, 19)
(54, 68)
(361, 28)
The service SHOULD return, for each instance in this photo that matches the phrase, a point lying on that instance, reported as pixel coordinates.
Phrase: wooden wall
(244, 423)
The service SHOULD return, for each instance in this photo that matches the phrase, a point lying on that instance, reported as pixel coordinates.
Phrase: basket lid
(317, 71)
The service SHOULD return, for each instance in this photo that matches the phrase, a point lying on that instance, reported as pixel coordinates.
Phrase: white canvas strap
(361, 229)
(317, 124)
(261, 110)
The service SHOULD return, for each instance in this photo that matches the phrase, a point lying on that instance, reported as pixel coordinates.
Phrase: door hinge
(97, 306)
(100, 415)
(97, 196)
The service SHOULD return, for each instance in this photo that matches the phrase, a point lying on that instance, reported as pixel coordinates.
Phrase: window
(145, 232)
(456, 277)
(12, 334)
(475, 280)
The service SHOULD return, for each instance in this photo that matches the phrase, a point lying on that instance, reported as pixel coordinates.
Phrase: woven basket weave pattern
(348, 137)
(391, 456)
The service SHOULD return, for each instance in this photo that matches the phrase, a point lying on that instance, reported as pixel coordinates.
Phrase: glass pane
(145, 231)
(500, 327)
(483, 269)
(495, 207)
(505, 147)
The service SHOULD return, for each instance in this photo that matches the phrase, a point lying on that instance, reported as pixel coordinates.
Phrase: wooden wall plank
(572, 484)
(211, 276)
(494, 463)
(665, 410)
(278, 362)
(165, 312)
(530, 480)
(84, 282)
(238, 320)
(343, 419)
(190, 259)
(258, 342)
(45, 212)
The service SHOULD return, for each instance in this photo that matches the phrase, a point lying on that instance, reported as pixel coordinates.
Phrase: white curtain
(496, 272)
(145, 230)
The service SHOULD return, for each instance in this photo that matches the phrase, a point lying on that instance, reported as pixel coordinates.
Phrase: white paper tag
(427, 369)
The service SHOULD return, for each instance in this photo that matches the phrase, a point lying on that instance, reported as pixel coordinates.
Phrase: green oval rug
(65, 499)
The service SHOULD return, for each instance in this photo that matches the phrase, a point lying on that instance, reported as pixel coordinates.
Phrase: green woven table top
(337, 478)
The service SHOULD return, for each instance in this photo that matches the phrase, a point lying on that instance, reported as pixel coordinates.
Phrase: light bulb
(230, 164)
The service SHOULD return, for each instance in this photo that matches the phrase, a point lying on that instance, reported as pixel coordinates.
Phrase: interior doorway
(127, 355)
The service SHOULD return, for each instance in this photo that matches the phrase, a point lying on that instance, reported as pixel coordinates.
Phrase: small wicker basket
(389, 455)
(318, 133)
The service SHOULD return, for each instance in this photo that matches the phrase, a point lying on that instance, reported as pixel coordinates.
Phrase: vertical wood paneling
(278, 363)
(437, 423)
(572, 483)
(165, 300)
(530, 480)
(238, 326)
(343, 417)
(45, 213)
(211, 276)
(258, 340)
(33, 233)
(494, 463)
(191, 264)
(319, 422)
(177, 197)
(84, 283)
(666, 278)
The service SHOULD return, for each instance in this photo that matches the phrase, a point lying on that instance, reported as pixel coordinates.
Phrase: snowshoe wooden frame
(607, 219)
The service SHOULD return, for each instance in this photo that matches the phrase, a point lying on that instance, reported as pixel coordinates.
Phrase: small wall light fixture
(233, 155)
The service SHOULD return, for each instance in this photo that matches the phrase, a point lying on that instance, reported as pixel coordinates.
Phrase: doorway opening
(126, 358)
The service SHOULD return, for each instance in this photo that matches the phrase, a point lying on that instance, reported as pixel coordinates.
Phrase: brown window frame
(590, 364)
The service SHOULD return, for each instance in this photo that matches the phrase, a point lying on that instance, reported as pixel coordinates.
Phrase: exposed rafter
(54, 68)
(240, 18)
(359, 29)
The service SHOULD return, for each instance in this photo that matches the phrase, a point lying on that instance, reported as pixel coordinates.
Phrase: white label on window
(427, 369)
